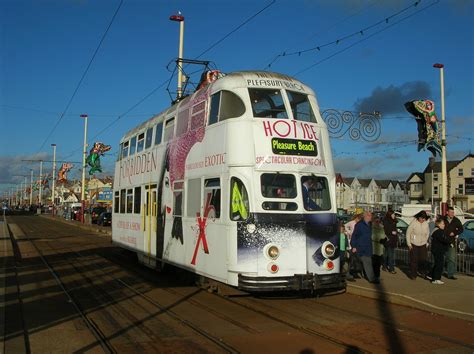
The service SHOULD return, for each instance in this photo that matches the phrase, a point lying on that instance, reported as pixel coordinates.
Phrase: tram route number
(294, 147)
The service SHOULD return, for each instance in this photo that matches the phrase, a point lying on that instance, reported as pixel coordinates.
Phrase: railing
(465, 261)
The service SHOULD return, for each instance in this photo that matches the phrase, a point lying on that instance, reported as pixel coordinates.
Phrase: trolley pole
(84, 156)
(444, 169)
(53, 196)
(179, 18)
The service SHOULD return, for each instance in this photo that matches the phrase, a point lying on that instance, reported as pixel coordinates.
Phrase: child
(343, 243)
(439, 246)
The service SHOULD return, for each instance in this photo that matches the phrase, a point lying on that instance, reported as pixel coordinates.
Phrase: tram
(234, 182)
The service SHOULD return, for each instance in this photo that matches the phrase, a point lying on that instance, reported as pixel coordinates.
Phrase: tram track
(105, 294)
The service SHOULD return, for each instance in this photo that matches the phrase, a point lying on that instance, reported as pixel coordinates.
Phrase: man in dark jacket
(452, 229)
(361, 243)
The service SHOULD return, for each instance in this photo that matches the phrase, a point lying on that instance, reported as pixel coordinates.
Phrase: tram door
(149, 219)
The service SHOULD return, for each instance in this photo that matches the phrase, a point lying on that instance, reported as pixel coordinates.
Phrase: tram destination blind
(294, 147)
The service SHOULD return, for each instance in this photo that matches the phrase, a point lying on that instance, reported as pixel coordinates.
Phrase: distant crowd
(368, 246)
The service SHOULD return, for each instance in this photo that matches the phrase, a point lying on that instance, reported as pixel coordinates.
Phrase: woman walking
(439, 246)
(417, 240)
(390, 229)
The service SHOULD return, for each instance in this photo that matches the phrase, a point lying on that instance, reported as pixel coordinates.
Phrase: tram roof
(237, 79)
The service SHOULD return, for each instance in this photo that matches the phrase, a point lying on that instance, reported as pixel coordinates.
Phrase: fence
(465, 261)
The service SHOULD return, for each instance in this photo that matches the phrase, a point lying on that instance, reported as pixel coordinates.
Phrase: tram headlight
(273, 252)
(328, 249)
(251, 228)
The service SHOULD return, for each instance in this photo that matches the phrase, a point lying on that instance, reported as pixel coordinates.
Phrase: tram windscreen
(278, 185)
(316, 194)
(267, 103)
(301, 107)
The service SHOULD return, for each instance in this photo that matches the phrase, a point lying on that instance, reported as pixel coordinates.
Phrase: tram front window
(315, 193)
(301, 107)
(278, 186)
(267, 103)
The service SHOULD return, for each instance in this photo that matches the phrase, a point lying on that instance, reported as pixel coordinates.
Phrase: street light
(179, 18)
(84, 156)
(444, 169)
(54, 179)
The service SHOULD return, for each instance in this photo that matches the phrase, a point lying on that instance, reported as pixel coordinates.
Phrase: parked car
(104, 219)
(466, 239)
(95, 213)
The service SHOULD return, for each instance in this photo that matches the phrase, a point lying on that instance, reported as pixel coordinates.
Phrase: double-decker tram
(234, 182)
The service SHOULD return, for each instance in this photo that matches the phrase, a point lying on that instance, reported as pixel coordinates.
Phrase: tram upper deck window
(125, 149)
(158, 133)
(316, 194)
(169, 129)
(183, 120)
(301, 107)
(267, 103)
(149, 137)
(225, 105)
(278, 185)
(141, 142)
(133, 145)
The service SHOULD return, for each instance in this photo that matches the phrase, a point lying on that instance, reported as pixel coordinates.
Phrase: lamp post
(444, 169)
(179, 18)
(53, 196)
(40, 198)
(84, 156)
(31, 189)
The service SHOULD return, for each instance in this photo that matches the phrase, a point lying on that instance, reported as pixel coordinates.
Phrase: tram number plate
(294, 147)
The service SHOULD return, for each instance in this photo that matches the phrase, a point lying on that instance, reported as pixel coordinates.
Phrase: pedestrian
(418, 233)
(361, 243)
(349, 229)
(440, 242)
(378, 241)
(453, 228)
(343, 254)
(390, 229)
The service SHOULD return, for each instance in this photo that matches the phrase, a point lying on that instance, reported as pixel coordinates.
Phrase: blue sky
(46, 45)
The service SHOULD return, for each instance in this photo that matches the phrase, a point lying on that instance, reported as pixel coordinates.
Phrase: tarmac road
(69, 290)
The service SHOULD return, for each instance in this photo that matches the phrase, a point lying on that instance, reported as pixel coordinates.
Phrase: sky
(47, 45)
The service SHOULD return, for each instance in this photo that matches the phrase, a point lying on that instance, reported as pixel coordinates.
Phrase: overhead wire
(83, 75)
(366, 38)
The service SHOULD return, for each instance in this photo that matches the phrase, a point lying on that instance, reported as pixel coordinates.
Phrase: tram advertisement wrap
(292, 234)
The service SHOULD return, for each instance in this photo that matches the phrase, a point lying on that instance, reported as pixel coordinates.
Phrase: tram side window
(225, 105)
(122, 201)
(193, 206)
(149, 137)
(129, 201)
(133, 145)
(137, 200)
(212, 198)
(183, 120)
(119, 155)
(141, 142)
(267, 103)
(318, 196)
(239, 200)
(214, 111)
(178, 199)
(117, 202)
(125, 149)
(169, 129)
(158, 133)
(301, 107)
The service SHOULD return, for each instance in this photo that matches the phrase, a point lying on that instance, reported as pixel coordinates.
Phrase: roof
(348, 180)
(419, 174)
(364, 182)
(450, 165)
(383, 183)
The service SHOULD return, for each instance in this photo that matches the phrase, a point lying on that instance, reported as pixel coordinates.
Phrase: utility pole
(84, 156)
(53, 196)
(179, 18)
(444, 169)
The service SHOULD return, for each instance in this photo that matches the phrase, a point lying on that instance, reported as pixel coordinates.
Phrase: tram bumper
(295, 282)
